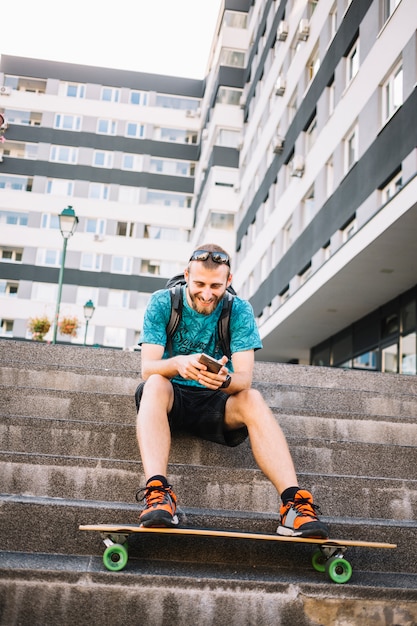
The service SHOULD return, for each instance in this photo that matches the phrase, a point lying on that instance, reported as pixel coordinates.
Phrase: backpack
(175, 285)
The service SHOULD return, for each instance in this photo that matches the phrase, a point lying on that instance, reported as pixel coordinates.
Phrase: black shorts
(200, 412)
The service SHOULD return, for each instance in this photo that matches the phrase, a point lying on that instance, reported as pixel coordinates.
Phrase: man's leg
(154, 440)
(269, 446)
(152, 427)
(273, 457)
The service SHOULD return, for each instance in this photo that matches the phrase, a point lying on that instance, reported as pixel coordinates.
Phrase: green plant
(39, 326)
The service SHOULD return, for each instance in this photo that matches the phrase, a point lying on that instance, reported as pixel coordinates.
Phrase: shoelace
(304, 507)
(152, 494)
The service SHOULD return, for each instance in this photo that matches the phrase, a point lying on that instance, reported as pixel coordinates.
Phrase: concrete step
(84, 390)
(101, 361)
(78, 591)
(50, 525)
(199, 486)
(118, 441)
(329, 423)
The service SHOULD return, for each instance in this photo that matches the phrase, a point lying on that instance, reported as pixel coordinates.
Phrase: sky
(170, 37)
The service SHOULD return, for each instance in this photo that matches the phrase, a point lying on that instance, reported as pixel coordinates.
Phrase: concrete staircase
(69, 457)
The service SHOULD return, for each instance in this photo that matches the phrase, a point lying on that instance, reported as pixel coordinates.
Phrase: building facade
(298, 152)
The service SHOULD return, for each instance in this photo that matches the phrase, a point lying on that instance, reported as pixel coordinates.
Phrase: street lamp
(89, 309)
(67, 223)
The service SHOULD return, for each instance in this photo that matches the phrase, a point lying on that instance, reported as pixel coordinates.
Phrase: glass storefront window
(366, 361)
(408, 354)
(390, 359)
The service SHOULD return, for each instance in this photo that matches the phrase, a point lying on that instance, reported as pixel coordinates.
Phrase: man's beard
(200, 308)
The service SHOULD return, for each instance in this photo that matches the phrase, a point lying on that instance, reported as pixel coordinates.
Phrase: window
(67, 122)
(8, 288)
(150, 267)
(91, 262)
(349, 230)
(48, 257)
(352, 62)
(125, 229)
(114, 337)
(171, 167)
(6, 328)
(15, 183)
(408, 354)
(58, 187)
(392, 188)
(73, 90)
(129, 195)
(287, 236)
(226, 95)
(172, 134)
(228, 138)
(11, 255)
(103, 158)
(132, 162)
(23, 118)
(63, 154)
(12, 218)
(234, 58)
(139, 98)
(121, 264)
(392, 93)
(313, 65)
(311, 134)
(106, 127)
(95, 226)
(351, 149)
(168, 199)
(133, 129)
(50, 221)
(118, 299)
(44, 292)
(223, 221)
(308, 208)
(110, 94)
(99, 191)
(176, 102)
(167, 234)
(233, 19)
(389, 8)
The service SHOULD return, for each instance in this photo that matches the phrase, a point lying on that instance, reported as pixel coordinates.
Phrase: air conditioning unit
(98, 237)
(280, 85)
(190, 113)
(297, 166)
(236, 188)
(5, 91)
(282, 32)
(303, 30)
(278, 144)
(204, 133)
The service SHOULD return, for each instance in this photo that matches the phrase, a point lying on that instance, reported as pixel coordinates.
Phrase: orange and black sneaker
(299, 519)
(160, 507)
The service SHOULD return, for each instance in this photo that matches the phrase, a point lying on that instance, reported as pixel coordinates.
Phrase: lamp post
(89, 309)
(67, 223)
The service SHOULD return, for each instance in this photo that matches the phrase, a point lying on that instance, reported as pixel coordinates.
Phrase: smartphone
(211, 364)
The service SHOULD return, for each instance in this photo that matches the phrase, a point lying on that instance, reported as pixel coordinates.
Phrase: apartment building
(297, 152)
(327, 217)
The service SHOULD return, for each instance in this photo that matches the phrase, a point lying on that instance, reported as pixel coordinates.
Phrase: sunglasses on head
(217, 257)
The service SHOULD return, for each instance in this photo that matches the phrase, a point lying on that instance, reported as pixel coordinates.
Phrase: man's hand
(210, 379)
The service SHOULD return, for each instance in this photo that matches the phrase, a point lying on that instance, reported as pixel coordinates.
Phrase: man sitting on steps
(179, 393)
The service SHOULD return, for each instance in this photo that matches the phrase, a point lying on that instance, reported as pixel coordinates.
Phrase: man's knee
(156, 387)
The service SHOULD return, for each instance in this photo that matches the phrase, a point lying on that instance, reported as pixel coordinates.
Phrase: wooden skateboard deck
(329, 557)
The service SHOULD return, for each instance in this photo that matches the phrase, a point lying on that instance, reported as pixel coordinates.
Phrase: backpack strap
(223, 326)
(176, 312)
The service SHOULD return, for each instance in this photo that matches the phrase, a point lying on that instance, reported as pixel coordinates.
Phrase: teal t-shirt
(197, 332)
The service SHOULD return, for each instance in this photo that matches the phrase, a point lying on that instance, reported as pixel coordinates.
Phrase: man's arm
(185, 365)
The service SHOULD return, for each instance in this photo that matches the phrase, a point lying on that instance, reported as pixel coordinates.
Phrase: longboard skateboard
(329, 557)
